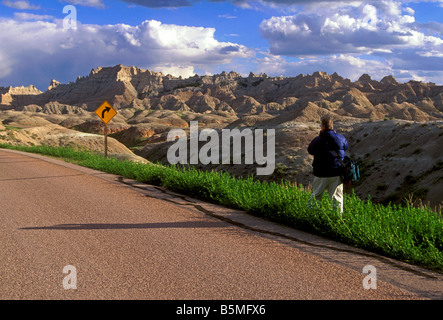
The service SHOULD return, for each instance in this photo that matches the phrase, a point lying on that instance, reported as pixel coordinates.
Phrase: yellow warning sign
(105, 112)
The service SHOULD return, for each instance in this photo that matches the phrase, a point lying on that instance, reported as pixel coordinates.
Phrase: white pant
(333, 185)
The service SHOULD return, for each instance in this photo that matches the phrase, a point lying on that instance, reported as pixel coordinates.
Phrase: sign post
(106, 140)
(106, 112)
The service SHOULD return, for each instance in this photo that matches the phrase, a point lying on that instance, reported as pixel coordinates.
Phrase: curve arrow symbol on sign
(107, 109)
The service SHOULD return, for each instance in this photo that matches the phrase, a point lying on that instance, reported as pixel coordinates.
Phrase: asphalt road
(118, 239)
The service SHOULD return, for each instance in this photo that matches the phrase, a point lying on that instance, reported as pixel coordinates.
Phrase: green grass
(406, 233)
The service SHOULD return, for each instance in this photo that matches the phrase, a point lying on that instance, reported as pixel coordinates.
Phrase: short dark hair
(327, 123)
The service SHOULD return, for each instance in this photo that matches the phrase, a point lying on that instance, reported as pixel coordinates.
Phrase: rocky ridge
(230, 93)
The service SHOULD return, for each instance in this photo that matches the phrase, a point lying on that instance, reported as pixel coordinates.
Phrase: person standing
(326, 148)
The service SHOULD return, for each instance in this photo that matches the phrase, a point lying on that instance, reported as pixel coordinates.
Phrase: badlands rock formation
(232, 94)
(395, 129)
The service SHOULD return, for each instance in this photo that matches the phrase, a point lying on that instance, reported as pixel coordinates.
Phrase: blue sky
(184, 37)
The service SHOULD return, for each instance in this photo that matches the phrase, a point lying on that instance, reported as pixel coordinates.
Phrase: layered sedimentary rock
(132, 87)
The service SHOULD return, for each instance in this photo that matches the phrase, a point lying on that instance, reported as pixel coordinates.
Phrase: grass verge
(413, 235)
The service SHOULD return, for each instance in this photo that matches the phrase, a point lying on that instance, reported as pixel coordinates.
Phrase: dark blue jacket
(325, 163)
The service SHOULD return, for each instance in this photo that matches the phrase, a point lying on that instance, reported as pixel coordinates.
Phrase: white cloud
(358, 26)
(380, 36)
(347, 66)
(433, 53)
(87, 3)
(69, 53)
(20, 4)
(350, 67)
(354, 30)
(163, 3)
(315, 5)
(177, 71)
(31, 16)
(348, 37)
(227, 16)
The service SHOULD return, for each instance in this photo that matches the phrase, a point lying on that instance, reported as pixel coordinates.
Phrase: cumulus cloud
(284, 4)
(162, 3)
(20, 4)
(356, 30)
(328, 4)
(379, 36)
(177, 71)
(239, 3)
(347, 66)
(69, 53)
(31, 16)
(348, 37)
(87, 3)
(227, 16)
